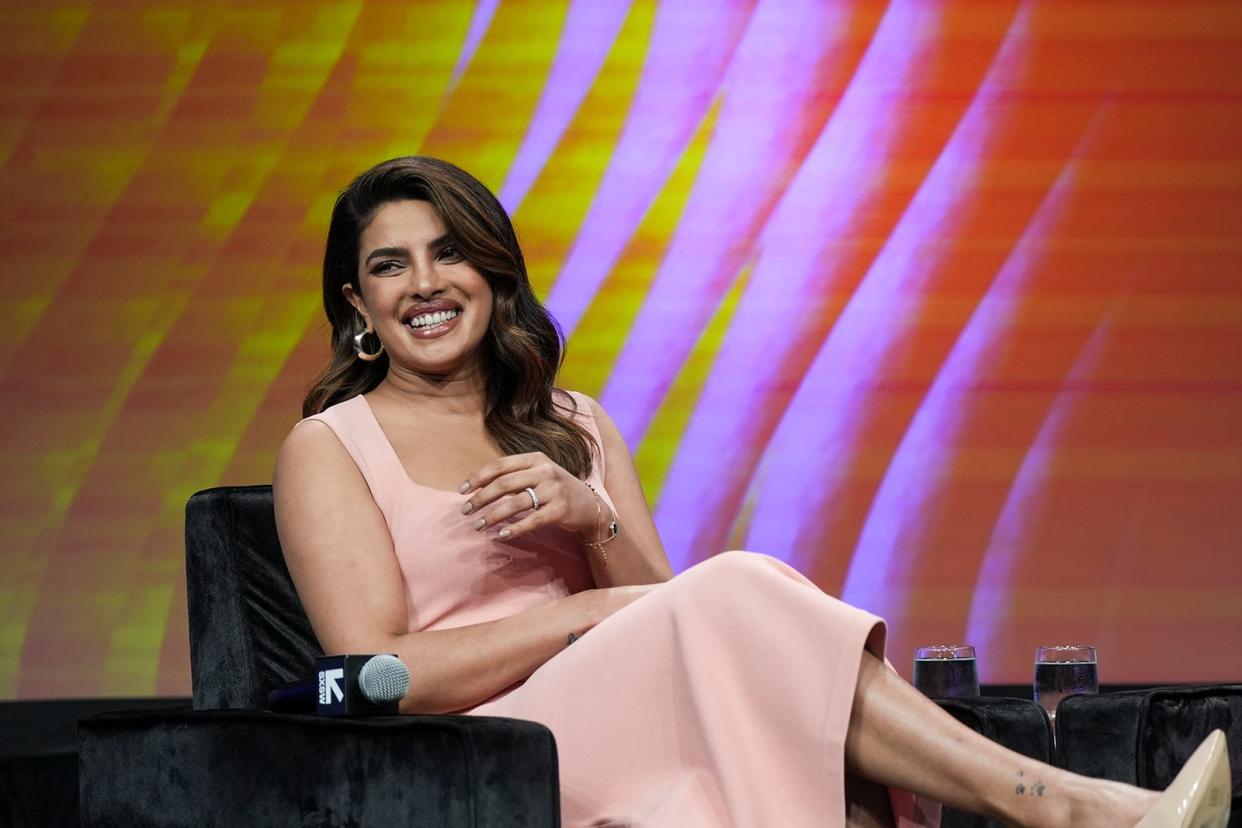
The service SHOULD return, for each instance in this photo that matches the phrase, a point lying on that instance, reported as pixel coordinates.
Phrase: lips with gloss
(430, 324)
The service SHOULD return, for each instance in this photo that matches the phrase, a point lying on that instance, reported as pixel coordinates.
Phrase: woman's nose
(426, 280)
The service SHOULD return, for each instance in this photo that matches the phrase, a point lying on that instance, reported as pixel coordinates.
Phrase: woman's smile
(432, 320)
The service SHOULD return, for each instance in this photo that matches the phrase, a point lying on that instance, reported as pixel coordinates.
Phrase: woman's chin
(436, 370)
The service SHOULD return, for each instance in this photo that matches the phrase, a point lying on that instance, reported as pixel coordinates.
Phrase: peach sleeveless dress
(722, 698)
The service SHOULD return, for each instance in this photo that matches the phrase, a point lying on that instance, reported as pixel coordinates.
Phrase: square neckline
(396, 458)
(596, 470)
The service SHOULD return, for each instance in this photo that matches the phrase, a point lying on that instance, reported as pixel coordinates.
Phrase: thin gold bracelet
(613, 528)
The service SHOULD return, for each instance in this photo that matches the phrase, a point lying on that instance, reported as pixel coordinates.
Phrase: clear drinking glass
(1064, 670)
(946, 671)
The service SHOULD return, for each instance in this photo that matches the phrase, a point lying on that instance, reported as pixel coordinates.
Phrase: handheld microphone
(346, 685)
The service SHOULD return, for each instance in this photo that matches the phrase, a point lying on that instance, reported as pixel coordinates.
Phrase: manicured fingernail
(467, 508)
(504, 533)
(480, 523)
(464, 487)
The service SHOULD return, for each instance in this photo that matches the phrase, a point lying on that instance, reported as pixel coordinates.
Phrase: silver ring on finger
(534, 498)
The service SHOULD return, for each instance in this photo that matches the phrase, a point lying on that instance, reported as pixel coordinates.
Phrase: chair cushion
(248, 631)
(237, 767)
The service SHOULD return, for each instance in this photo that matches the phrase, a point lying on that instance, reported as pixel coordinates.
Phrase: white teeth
(426, 320)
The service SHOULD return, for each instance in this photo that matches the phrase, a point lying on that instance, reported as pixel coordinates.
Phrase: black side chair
(1143, 737)
(1019, 724)
(229, 761)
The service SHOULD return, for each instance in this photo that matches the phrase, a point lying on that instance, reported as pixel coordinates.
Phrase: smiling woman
(492, 520)
(425, 237)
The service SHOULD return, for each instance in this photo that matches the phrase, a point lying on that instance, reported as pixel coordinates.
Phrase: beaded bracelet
(613, 528)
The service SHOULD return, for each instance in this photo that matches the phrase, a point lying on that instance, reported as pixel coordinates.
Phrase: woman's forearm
(456, 669)
(623, 561)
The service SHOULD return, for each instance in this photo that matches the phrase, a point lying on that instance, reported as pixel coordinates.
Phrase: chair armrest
(1098, 734)
(172, 768)
(1018, 724)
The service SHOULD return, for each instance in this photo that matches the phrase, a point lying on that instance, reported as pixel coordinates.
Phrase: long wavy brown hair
(522, 350)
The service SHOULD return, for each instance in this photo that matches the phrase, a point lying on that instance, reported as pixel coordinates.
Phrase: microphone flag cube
(360, 685)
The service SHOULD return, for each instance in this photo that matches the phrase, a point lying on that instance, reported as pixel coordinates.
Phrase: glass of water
(946, 671)
(1064, 670)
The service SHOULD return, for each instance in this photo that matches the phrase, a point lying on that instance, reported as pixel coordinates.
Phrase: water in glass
(1061, 671)
(946, 671)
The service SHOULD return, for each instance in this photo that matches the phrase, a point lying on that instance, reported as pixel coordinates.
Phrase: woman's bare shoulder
(574, 402)
(308, 439)
(313, 456)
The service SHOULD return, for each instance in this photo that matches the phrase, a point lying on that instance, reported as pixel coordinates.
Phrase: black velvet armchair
(229, 761)
(1143, 737)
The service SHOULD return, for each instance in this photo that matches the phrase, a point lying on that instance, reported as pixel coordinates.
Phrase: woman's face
(426, 303)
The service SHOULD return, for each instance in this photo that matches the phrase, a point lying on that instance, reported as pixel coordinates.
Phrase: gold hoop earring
(362, 354)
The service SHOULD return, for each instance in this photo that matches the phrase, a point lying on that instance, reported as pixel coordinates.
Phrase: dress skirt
(722, 698)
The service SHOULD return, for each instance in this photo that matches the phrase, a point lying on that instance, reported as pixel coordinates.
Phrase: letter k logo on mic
(347, 685)
(330, 690)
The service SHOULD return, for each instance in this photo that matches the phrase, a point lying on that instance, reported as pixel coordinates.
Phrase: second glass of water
(946, 671)
(1064, 670)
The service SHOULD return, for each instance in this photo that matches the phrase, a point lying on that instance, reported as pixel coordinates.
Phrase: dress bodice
(454, 575)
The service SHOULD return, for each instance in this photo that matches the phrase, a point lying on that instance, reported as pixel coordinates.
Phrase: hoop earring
(362, 353)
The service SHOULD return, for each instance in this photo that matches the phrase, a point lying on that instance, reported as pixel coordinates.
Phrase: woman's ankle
(1100, 802)
(1034, 794)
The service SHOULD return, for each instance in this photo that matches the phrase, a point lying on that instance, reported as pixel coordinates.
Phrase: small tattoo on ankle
(1035, 790)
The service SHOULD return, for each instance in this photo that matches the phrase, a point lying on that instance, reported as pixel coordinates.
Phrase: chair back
(248, 631)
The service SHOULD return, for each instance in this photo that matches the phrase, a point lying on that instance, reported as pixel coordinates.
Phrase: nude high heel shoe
(1200, 795)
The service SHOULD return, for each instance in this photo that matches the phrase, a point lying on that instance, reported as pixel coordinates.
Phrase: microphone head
(383, 679)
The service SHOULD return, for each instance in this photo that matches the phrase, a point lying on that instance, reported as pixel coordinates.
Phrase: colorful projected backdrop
(940, 302)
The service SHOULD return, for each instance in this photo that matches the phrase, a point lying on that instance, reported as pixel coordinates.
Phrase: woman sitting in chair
(495, 527)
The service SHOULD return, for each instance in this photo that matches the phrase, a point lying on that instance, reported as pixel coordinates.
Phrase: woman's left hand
(560, 499)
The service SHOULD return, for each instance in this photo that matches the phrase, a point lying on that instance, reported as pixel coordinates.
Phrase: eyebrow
(387, 251)
(405, 251)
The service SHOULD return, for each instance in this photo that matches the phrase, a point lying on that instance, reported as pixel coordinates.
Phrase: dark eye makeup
(444, 252)
(382, 267)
